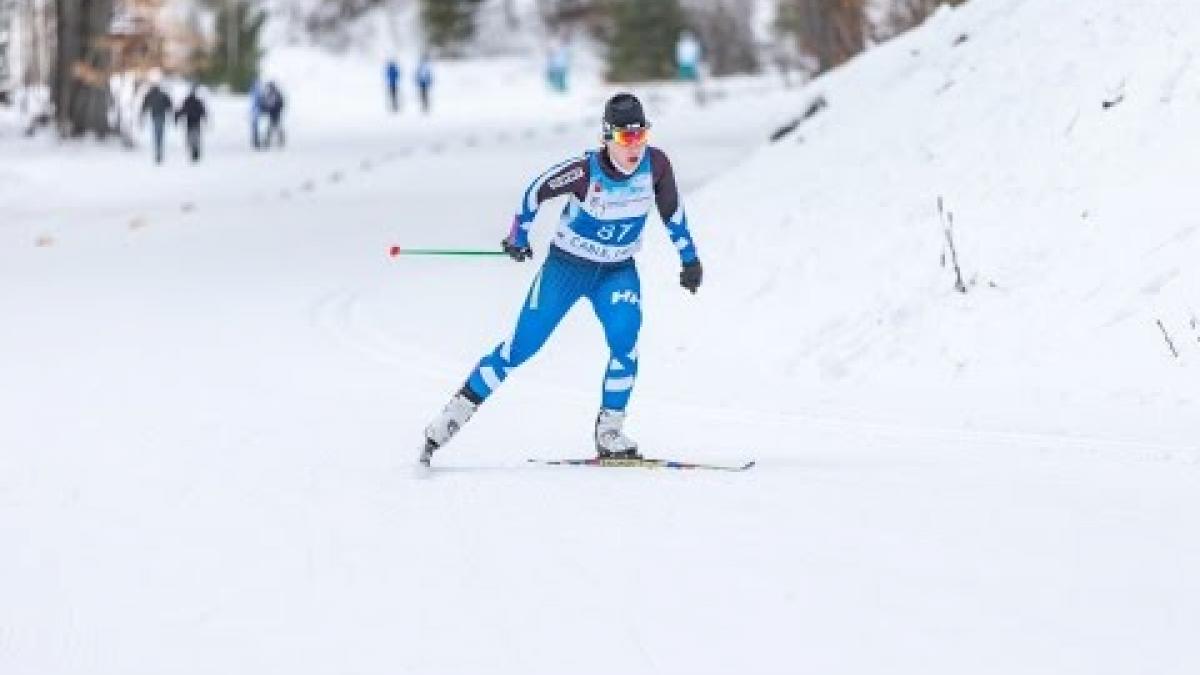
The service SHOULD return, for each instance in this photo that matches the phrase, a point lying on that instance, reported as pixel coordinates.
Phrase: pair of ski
(610, 462)
(642, 463)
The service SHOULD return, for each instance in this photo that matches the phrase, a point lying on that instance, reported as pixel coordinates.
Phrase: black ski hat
(624, 110)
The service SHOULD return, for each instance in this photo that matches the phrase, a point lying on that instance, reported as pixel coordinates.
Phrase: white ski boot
(611, 442)
(441, 430)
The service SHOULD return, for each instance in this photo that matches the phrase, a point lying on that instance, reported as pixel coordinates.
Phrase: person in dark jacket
(157, 104)
(272, 105)
(194, 115)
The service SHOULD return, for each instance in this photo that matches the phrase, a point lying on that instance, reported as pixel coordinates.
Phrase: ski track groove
(338, 314)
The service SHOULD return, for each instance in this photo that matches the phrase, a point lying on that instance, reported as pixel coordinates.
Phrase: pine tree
(449, 23)
(235, 57)
(641, 44)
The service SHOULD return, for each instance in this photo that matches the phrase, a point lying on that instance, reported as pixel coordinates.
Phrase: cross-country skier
(611, 192)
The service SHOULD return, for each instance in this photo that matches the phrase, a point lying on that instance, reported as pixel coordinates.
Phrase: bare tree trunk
(831, 31)
(511, 19)
(233, 29)
(81, 94)
(727, 33)
(30, 74)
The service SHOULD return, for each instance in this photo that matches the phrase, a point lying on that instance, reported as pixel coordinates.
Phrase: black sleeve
(571, 178)
(666, 193)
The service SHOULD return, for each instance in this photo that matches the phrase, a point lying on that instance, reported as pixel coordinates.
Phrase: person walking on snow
(424, 80)
(157, 104)
(611, 192)
(687, 57)
(256, 113)
(194, 114)
(391, 74)
(272, 106)
(557, 62)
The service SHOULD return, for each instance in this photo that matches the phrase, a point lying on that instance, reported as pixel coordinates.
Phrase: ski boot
(611, 442)
(441, 430)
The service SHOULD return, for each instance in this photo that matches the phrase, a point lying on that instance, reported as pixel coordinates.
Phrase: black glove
(518, 253)
(691, 275)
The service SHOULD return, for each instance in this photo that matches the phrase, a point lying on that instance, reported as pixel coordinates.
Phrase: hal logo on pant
(625, 296)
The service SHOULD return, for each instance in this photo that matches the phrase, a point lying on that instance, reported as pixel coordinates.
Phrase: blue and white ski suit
(591, 256)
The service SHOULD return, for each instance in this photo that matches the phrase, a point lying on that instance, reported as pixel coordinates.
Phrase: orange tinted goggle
(630, 135)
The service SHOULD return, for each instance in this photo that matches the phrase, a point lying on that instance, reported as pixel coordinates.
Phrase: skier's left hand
(691, 275)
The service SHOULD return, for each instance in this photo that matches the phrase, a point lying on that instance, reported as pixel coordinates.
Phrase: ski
(643, 464)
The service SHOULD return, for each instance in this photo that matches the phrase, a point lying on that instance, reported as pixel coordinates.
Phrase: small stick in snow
(1167, 337)
(948, 221)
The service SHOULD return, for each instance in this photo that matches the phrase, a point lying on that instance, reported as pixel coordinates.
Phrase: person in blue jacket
(391, 74)
(256, 113)
(424, 80)
(611, 191)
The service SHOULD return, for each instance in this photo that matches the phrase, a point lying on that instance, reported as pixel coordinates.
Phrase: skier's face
(626, 147)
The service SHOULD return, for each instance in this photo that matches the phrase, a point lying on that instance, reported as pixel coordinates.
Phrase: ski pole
(397, 251)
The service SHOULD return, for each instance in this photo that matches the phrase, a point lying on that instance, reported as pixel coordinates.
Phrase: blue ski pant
(615, 293)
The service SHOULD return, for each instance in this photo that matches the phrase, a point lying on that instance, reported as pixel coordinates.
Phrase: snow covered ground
(215, 379)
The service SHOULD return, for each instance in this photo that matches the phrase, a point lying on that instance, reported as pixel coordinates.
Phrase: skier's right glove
(518, 253)
(691, 275)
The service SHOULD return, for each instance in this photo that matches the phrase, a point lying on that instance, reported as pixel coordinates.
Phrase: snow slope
(216, 379)
(1071, 222)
